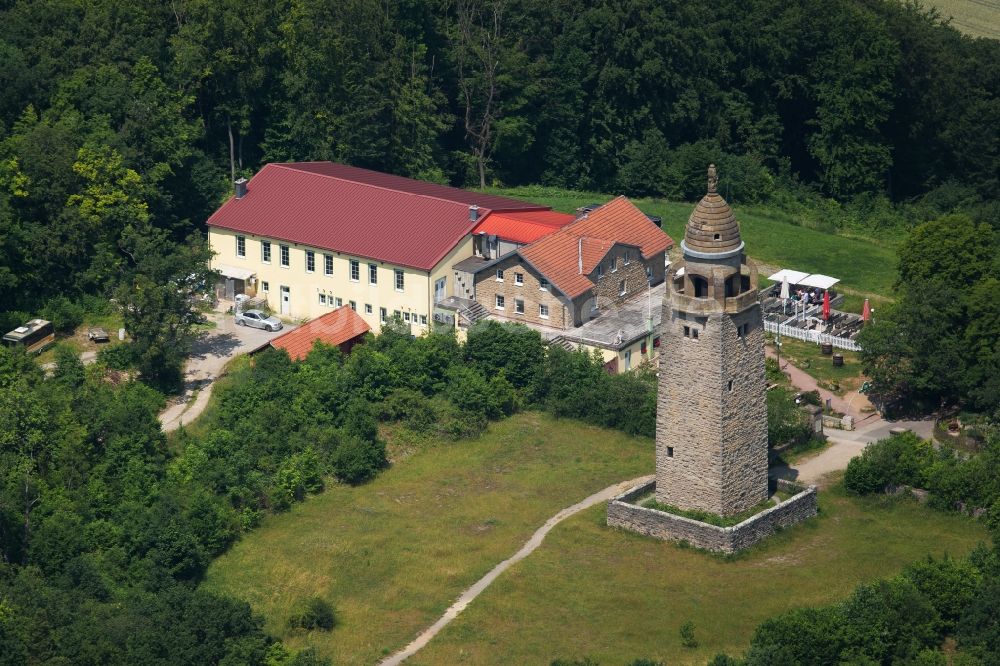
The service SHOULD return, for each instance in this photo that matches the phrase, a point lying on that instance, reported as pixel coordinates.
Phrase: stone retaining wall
(623, 512)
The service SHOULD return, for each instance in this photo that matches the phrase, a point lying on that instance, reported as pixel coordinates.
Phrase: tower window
(700, 286)
(687, 331)
(670, 452)
(730, 384)
(694, 333)
(718, 236)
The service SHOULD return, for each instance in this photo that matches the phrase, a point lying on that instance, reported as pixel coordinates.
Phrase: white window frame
(285, 258)
(600, 270)
(241, 247)
(372, 273)
(400, 279)
(322, 299)
(423, 320)
(265, 252)
(543, 311)
(406, 316)
(310, 261)
(499, 275)
(519, 306)
(328, 265)
(623, 288)
(614, 264)
(265, 286)
(355, 270)
(383, 315)
(340, 302)
(368, 308)
(353, 304)
(519, 279)
(500, 303)
(543, 285)
(627, 260)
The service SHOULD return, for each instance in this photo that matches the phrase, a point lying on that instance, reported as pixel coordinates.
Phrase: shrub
(894, 461)
(785, 421)
(312, 613)
(357, 460)
(410, 407)
(117, 357)
(688, 639)
(64, 314)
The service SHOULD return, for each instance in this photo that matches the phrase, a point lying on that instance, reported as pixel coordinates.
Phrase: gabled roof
(587, 241)
(334, 328)
(358, 212)
(523, 226)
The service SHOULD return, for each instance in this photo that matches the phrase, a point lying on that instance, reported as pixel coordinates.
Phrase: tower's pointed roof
(712, 228)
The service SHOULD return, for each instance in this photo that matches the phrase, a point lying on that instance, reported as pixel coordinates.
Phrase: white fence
(810, 335)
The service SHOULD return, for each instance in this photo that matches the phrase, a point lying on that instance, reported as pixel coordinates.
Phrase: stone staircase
(561, 341)
(474, 312)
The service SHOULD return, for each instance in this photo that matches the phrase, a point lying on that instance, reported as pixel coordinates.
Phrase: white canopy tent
(819, 281)
(793, 277)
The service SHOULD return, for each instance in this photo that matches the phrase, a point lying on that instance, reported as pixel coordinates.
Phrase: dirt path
(534, 542)
(209, 356)
(852, 403)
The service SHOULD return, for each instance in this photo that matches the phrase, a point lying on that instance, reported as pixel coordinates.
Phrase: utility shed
(342, 328)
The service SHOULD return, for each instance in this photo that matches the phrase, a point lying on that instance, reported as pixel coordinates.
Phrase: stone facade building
(570, 276)
(711, 430)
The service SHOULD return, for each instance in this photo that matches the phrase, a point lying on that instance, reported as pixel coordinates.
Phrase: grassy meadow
(864, 267)
(613, 596)
(393, 554)
(978, 18)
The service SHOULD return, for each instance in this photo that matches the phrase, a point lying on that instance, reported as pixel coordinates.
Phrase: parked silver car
(258, 319)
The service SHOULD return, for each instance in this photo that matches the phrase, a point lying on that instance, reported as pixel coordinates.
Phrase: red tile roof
(523, 226)
(358, 212)
(558, 255)
(333, 328)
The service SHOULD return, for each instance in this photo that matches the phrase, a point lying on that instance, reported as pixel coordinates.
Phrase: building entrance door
(439, 290)
(286, 300)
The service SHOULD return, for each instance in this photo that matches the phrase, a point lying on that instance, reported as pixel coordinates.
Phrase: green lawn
(590, 591)
(392, 555)
(864, 267)
(809, 358)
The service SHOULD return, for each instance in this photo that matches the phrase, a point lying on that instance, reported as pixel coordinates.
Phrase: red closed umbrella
(866, 312)
(826, 305)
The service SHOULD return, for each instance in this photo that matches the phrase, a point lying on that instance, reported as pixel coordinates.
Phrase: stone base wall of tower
(625, 514)
(711, 429)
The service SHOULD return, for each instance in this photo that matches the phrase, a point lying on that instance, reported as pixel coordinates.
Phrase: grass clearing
(978, 18)
(392, 555)
(864, 266)
(808, 357)
(591, 591)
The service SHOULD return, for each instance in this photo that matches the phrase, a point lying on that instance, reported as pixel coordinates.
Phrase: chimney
(579, 254)
(240, 186)
(473, 213)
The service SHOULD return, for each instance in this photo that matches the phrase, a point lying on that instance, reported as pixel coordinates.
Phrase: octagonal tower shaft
(711, 422)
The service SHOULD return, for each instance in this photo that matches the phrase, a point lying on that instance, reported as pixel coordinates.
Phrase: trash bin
(838, 360)
(826, 349)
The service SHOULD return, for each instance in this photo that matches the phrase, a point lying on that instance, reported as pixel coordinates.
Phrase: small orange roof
(523, 226)
(333, 328)
(588, 239)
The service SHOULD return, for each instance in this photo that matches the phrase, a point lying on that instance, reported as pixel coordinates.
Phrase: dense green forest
(117, 114)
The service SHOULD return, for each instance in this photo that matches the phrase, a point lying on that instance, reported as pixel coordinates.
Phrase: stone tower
(711, 419)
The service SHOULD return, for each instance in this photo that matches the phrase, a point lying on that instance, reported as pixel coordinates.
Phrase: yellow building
(310, 237)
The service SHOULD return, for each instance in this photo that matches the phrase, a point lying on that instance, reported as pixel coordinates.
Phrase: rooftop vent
(240, 186)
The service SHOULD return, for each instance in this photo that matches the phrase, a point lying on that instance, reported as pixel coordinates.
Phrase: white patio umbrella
(784, 293)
